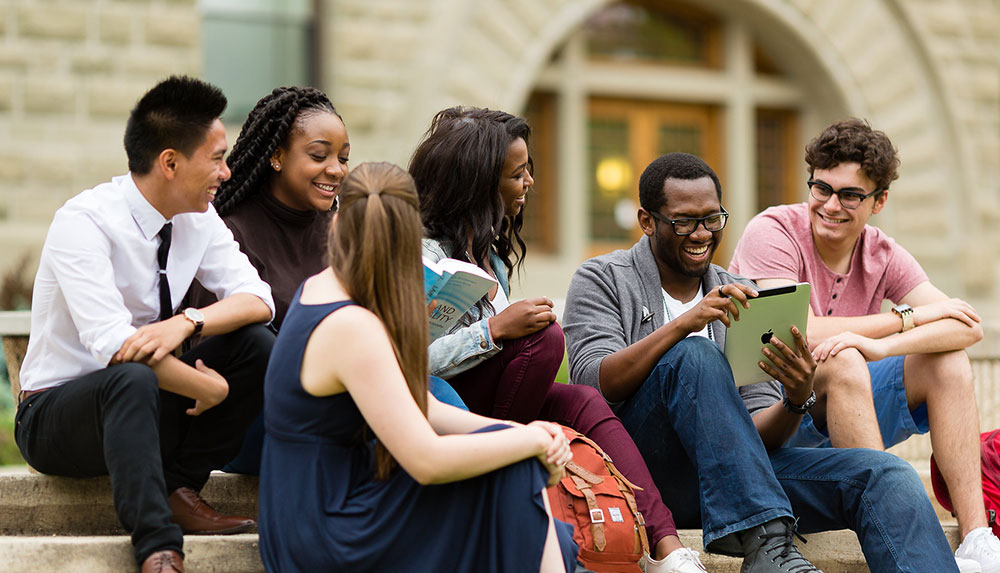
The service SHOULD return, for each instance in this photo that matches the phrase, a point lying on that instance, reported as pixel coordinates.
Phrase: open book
(456, 286)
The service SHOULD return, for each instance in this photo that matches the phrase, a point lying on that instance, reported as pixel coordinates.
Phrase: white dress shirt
(98, 278)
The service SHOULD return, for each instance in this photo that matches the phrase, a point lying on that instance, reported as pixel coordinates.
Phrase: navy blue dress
(322, 510)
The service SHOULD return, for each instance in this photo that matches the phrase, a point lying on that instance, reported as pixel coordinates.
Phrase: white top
(500, 301)
(98, 279)
(672, 308)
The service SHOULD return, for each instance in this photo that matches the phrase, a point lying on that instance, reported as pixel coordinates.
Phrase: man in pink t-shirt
(882, 376)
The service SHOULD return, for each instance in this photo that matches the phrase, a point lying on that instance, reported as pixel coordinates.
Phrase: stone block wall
(70, 71)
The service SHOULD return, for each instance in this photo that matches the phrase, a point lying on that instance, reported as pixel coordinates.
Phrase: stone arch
(866, 52)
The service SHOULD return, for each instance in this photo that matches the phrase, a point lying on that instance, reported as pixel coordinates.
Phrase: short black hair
(175, 114)
(676, 165)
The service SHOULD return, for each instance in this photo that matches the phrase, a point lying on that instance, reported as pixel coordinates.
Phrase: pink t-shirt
(778, 243)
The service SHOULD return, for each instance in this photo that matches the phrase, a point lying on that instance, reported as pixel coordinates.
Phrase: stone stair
(52, 524)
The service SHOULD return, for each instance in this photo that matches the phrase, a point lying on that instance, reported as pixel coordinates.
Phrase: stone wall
(70, 71)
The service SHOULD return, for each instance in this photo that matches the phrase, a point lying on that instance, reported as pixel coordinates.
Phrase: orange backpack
(600, 504)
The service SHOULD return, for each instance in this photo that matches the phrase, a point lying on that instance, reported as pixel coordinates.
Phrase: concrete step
(34, 504)
(113, 554)
(832, 551)
(50, 523)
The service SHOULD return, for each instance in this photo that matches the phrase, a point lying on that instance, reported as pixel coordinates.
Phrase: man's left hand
(793, 368)
(153, 341)
(871, 348)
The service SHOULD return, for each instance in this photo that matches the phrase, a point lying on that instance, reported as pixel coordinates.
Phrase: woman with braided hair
(287, 166)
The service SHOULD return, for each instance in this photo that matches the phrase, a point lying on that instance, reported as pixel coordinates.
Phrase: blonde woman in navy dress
(362, 468)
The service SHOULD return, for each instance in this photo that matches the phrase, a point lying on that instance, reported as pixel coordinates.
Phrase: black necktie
(166, 308)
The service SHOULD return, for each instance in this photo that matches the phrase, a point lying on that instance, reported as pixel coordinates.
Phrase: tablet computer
(774, 311)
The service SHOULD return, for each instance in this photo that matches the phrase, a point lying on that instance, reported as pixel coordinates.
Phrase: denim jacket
(469, 343)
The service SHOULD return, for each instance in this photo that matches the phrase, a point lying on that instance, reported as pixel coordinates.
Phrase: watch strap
(904, 312)
(802, 408)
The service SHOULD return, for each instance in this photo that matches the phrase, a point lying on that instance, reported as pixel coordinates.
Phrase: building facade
(607, 86)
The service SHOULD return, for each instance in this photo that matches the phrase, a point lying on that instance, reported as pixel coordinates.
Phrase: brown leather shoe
(164, 562)
(198, 518)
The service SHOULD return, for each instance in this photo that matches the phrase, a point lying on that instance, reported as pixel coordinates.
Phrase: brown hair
(854, 141)
(376, 254)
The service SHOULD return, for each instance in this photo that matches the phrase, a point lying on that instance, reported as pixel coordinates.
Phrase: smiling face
(197, 177)
(314, 163)
(515, 179)
(687, 256)
(835, 228)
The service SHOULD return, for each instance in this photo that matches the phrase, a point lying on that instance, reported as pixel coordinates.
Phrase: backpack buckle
(597, 515)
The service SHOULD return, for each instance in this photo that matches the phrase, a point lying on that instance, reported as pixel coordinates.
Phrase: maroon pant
(517, 384)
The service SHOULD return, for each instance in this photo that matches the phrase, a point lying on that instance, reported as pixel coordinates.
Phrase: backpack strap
(584, 473)
(623, 486)
(607, 461)
(640, 522)
(596, 513)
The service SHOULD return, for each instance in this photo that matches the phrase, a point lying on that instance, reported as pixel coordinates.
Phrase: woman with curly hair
(473, 171)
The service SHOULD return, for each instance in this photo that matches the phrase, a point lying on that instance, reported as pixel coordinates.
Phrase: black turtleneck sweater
(285, 245)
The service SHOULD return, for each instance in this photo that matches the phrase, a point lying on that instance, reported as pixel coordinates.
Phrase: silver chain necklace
(666, 308)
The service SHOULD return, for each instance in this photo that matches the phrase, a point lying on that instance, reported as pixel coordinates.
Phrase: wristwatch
(196, 318)
(905, 312)
(805, 407)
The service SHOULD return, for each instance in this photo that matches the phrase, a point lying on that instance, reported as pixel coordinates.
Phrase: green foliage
(15, 294)
(562, 377)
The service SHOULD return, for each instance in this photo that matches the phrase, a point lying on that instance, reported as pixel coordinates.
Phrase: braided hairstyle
(266, 129)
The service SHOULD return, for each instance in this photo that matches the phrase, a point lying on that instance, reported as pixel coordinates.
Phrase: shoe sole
(231, 531)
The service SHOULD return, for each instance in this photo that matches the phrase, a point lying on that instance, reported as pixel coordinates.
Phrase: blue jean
(720, 474)
(877, 495)
(701, 447)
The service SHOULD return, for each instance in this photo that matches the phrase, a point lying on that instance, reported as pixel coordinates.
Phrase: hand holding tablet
(772, 313)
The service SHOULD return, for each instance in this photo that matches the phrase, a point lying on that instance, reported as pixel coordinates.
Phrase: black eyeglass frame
(823, 185)
(697, 221)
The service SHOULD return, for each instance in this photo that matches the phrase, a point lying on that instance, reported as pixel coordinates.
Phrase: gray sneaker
(769, 548)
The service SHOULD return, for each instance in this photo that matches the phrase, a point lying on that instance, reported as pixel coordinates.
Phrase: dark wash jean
(712, 470)
(116, 421)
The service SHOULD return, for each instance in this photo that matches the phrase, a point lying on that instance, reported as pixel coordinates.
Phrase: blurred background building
(607, 85)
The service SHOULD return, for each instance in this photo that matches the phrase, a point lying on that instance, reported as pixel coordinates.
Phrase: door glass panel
(612, 178)
(682, 138)
(779, 176)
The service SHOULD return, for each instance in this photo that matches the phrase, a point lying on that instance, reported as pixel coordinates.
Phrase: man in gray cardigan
(647, 327)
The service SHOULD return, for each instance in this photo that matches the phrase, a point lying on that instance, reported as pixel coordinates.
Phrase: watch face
(194, 314)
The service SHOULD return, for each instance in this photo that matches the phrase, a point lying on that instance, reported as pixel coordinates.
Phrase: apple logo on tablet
(766, 337)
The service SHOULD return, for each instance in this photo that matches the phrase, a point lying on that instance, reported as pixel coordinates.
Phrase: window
(254, 46)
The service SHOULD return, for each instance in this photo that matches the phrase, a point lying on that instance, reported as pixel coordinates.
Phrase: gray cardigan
(608, 297)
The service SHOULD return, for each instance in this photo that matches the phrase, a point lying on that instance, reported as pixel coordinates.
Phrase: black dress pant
(116, 421)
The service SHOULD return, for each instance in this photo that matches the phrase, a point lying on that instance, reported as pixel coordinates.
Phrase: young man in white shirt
(102, 390)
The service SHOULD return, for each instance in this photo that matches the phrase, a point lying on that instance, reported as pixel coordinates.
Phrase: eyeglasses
(684, 227)
(848, 199)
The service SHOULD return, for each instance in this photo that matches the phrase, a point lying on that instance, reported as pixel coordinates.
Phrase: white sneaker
(968, 565)
(981, 546)
(681, 560)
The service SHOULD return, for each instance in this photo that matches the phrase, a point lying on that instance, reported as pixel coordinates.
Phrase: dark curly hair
(683, 166)
(174, 114)
(266, 129)
(854, 141)
(457, 168)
